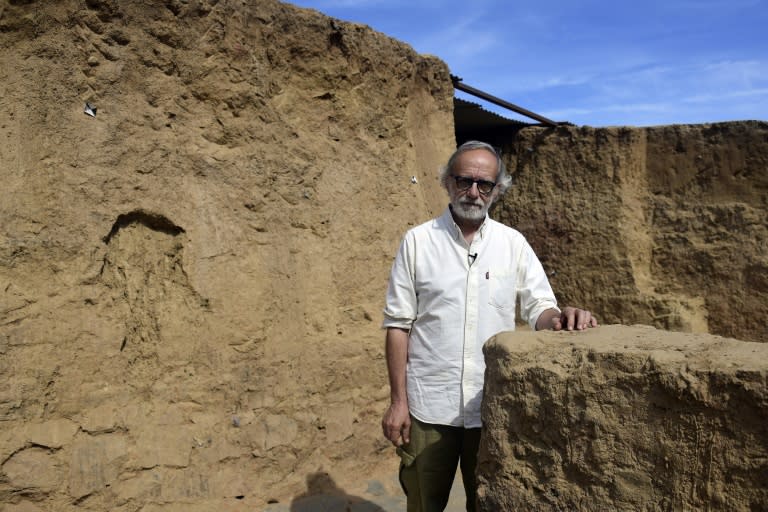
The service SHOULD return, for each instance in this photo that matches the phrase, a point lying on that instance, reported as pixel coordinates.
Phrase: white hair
(503, 180)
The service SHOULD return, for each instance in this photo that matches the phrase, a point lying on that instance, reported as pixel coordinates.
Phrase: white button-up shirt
(453, 296)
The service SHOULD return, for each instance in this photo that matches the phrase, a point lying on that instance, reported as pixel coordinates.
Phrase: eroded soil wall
(624, 418)
(191, 281)
(664, 226)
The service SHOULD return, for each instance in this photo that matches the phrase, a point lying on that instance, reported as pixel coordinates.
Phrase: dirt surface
(624, 418)
(191, 280)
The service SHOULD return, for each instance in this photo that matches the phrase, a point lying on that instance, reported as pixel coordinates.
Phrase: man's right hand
(397, 423)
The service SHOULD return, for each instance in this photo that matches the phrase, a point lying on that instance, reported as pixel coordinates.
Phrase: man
(453, 285)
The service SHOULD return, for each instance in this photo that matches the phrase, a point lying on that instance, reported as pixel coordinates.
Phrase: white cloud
(459, 43)
(713, 4)
(727, 95)
(343, 4)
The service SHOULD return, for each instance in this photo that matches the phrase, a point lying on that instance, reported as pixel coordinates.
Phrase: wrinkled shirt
(454, 296)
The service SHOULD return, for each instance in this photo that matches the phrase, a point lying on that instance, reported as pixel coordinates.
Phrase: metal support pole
(457, 83)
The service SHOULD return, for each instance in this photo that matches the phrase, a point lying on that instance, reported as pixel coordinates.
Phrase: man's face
(471, 204)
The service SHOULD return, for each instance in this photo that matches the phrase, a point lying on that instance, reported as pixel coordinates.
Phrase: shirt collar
(447, 220)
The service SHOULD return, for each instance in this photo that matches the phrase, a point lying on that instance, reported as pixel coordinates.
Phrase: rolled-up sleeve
(401, 307)
(536, 295)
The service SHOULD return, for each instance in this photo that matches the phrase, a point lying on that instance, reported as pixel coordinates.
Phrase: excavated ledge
(624, 418)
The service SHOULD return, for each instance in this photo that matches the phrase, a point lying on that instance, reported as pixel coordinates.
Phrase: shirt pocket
(502, 289)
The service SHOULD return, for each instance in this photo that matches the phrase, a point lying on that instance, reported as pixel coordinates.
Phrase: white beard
(470, 210)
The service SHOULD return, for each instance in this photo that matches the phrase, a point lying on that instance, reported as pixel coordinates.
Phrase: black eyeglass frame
(465, 183)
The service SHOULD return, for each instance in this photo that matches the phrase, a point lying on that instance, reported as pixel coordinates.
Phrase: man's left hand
(569, 319)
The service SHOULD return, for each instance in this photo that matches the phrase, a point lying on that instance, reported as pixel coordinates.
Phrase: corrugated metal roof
(473, 115)
(473, 122)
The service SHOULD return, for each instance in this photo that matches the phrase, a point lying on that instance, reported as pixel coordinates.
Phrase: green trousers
(428, 465)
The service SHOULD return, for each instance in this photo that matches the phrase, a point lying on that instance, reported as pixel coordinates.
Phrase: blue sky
(591, 62)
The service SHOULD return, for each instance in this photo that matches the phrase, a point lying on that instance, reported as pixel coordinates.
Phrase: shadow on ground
(323, 494)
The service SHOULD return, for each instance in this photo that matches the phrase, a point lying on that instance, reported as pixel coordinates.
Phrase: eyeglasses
(483, 186)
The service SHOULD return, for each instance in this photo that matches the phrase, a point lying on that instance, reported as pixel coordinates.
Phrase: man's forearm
(397, 359)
